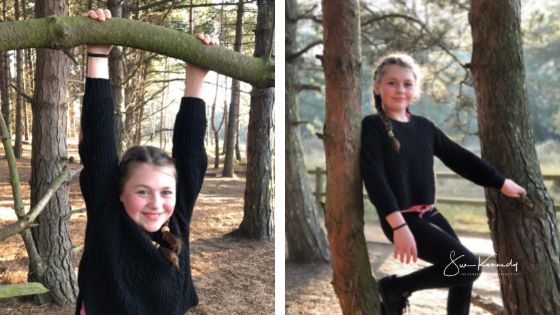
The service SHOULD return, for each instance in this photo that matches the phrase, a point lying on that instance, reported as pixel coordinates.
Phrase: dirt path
(309, 292)
(231, 276)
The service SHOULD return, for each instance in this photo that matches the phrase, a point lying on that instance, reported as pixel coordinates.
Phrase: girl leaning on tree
(397, 165)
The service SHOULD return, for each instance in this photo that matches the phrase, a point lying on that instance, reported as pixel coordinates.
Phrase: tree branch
(26, 221)
(291, 57)
(64, 32)
(487, 305)
(423, 26)
(311, 87)
(25, 96)
(155, 4)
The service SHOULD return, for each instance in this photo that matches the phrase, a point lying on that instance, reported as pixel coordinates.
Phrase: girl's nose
(156, 201)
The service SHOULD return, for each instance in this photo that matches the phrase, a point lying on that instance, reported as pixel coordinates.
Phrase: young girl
(136, 252)
(397, 163)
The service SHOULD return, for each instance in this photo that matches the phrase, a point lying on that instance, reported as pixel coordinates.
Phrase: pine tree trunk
(305, 238)
(117, 75)
(525, 233)
(48, 153)
(237, 149)
(5, 78)
(216, 130)
(19, 97)
(258, 214)
(344, 215)
(5, 87)
(233, 119)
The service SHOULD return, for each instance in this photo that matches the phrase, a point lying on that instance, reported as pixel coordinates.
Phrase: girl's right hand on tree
(404, 245)
(101, 16)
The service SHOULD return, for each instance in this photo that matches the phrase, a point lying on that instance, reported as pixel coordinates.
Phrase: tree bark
(19, 98)
(117, 76)
(526, 232)
(5, 87)
(216, 129)
(5, 78)
(306, 239)
(48, 152)
(258, 214)
(237, 149)
(65, 32)
(233, 120)
(344, 216)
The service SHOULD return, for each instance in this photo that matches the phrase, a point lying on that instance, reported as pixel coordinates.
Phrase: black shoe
(394, 300)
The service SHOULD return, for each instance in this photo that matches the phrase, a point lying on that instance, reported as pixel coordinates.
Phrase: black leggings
(435, 242)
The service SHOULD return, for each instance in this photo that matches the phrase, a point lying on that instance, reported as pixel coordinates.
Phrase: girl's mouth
(152, 216)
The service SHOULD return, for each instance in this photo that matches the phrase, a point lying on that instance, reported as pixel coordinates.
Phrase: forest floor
(309, 290)
(232, 276)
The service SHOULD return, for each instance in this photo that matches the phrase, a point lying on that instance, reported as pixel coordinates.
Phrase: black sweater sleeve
(189, 154)
(464, 162)
(373, 169)
(98, 153)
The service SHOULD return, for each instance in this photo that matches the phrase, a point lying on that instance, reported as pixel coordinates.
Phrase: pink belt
(421, 209)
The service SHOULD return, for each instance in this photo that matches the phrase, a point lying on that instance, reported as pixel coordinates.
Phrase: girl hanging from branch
(397, 164)
(136, 252)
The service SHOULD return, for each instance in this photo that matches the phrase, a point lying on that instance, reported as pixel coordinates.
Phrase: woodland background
(40, 97)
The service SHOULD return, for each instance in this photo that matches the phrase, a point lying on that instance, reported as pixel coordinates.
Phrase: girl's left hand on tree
(196, 71)
(196, 74)
(511, 189)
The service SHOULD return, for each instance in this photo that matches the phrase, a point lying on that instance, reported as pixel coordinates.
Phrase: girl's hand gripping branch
(195, 74)
(98, 55)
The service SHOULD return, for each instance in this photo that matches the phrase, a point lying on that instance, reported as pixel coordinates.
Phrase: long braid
(171, 253)
(387, 123)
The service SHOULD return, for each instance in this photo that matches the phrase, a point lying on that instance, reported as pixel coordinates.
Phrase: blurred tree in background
(437, 34)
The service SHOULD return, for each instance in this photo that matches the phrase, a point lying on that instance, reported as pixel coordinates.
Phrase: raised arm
(188, 139)
(98, 179)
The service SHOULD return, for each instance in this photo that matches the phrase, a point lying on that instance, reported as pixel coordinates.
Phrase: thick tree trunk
(5, 87)
(258, 214)
(19, 97)
(306, 239)
(524, 233)
(233, 120)
(344, 216)
(63, 32)
(48, 153)
(29, 87)
(117, 75)
(5, 78)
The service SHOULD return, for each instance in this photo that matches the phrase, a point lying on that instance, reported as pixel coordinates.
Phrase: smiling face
(397, 88)
(148, 195)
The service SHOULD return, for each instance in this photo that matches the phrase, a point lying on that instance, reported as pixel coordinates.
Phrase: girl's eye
(142, 192)
(167, 193)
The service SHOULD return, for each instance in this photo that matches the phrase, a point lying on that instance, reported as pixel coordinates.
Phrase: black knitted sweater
(398, 181)
(121, 271)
